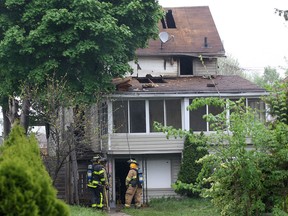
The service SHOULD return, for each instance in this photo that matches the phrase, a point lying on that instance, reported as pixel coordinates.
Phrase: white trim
(185, 114)
(188, 95)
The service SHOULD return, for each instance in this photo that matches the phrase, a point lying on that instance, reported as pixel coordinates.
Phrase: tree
(242, 180)
(230, 66)
(25, 186)
(189, 168)
(88, 42)
(269, 78)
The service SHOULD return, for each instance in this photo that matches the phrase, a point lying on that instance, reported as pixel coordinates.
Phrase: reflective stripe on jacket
(131, 178)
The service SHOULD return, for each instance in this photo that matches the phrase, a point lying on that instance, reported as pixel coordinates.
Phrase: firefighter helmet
(96, 159)
(132, 161)
(103, 160)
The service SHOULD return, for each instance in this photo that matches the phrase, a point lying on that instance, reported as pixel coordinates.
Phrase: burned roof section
(192, 32)
(191, 85)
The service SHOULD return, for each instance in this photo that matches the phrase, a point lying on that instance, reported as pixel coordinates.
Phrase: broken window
(186, 65)
(168, 21)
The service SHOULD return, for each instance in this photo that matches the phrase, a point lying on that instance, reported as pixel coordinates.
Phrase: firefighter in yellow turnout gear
(133, 185)
(97, 182)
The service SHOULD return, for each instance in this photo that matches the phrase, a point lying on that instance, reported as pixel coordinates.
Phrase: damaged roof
(190, 85)
(192, 32)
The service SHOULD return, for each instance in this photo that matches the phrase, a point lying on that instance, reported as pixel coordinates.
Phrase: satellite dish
(164, 37)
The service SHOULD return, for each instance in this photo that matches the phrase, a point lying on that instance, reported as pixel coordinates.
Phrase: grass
(175, 207)
(85, 211)
(160, 207)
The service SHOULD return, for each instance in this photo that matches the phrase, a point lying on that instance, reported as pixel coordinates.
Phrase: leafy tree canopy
(86, 41)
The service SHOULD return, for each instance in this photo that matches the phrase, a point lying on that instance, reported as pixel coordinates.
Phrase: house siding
(144, 143)
(169, 66)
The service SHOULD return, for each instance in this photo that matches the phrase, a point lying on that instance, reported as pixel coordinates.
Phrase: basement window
(168, 21)
(186, 65)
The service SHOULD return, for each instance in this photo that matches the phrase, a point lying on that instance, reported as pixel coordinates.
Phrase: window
(197, 123)
(120, 116)
(156, 112)
(137, 116)
(173, 113)
(166, 112)
(259, 107)
(186, 65)
(214, 111)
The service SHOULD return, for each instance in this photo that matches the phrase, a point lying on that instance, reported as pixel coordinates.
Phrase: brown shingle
(193, 24)
(198, 84)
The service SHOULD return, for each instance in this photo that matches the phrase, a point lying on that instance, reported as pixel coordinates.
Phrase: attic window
(168, 21)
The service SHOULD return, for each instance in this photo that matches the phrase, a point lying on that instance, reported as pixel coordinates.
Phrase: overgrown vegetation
(247, 168)
(25, 186)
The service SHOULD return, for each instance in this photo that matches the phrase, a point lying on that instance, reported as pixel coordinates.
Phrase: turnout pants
(133, 192)
(97, 197)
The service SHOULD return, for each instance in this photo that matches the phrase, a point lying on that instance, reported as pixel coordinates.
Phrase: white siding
(144, 144)
(210, 67)
(168, 66)
(155, 66)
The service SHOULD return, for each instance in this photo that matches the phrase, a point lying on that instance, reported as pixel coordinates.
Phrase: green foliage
(88, 42)
(246, 170)
(25, 186)
(245, 180)
(194, 149)
(278, 101)
(268, 79)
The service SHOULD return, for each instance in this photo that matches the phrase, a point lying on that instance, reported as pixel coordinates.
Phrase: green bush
(25, 186)
(189, 170)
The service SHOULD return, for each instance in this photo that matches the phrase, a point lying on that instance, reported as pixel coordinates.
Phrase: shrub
(25, 186)
(189, 170)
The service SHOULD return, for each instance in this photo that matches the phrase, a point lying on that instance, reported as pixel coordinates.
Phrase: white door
(158, 173)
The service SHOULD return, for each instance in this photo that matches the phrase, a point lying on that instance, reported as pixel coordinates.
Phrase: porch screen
(215, 111)
(156, 112)
(120, 116)
(137, 116)
(259, 107)
(197, 123)
(173, 113)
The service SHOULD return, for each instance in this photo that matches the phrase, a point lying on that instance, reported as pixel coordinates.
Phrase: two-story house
(173, 70)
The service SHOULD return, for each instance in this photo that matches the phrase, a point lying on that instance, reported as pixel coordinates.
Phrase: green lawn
(175, 207)
(160, 207)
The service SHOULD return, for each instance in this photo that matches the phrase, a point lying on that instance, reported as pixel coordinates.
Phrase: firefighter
(103, 162)
(97, 182)
(133, 185)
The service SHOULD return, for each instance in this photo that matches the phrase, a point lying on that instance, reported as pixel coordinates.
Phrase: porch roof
(186, 85)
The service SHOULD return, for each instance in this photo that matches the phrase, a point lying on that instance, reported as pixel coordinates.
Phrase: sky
(250, 30)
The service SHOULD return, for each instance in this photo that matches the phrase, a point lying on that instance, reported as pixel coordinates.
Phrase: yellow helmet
(133, 166)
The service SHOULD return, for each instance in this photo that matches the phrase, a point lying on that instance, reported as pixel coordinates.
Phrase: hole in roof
(151, 80)
(168, 21)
